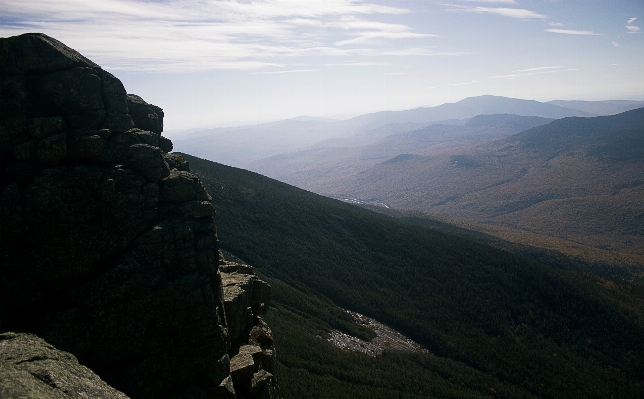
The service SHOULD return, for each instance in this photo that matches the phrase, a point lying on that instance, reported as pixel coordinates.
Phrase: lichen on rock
(31, 368)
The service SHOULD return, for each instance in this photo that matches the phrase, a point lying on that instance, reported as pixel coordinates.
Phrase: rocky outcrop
(246, 297)
(108, 248)
(31, 368)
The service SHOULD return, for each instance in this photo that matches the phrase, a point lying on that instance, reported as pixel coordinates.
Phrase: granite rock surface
(31, 368)
(252, 353)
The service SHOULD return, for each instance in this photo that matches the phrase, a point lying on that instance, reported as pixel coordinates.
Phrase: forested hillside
(578, 179)
(330, 164)
(498, 324)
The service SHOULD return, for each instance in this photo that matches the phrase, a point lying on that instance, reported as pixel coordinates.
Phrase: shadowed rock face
(108, 248)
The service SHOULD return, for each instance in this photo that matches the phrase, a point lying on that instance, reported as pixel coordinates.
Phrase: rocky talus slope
(386, 338)
(108, 246)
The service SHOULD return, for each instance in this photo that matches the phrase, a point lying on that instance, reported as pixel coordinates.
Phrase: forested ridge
(576, 179)
(499, 324)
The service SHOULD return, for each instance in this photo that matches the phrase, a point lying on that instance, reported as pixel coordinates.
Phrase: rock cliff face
(108, 247)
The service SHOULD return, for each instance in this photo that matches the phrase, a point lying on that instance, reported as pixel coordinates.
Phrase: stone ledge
(31, 368)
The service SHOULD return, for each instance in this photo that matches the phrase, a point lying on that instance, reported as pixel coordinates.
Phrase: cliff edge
(108, 246)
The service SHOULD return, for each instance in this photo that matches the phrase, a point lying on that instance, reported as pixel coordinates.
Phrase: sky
(225, 62)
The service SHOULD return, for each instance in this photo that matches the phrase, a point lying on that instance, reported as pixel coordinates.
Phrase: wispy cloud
(370, 30)
(519, 13)
(573, 32)
(360, 64)
(555, 24)
(416, 51)
(529, 72)
(540, 68)
(615, 44)
(503, 76)
(176, 35)
(632, 28)
(289, 71)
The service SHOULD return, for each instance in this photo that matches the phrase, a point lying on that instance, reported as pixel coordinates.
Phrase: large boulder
(146, 116)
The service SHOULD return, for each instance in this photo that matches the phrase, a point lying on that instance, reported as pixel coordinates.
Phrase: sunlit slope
(579, 179)
(553, 251)
(511, 319)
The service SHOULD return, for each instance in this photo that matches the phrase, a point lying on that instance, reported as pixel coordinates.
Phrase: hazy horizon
(210, 63)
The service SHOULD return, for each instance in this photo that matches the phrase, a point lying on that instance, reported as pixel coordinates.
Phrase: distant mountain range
(319, 167)
(239, 146)
(600, 108)
(539, 167)
(468, 108)
(575, 178)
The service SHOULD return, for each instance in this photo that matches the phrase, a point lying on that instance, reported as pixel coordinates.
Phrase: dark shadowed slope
(511, 319)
